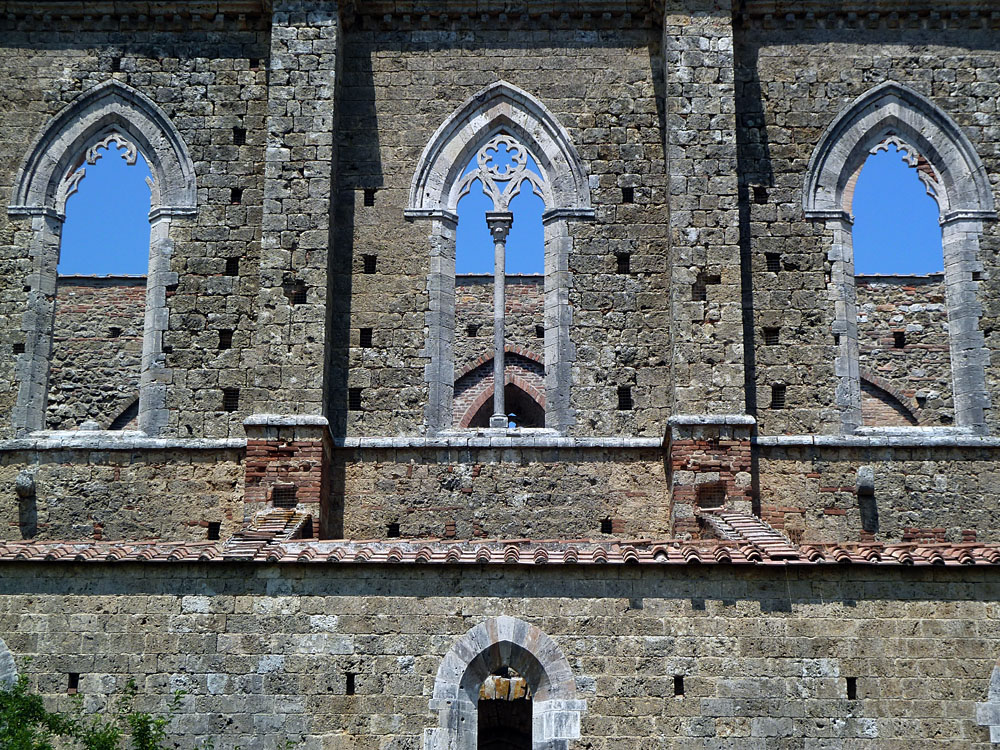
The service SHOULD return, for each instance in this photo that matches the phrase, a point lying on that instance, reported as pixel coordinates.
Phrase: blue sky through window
(896, 226)
(107, 227)
(107, 220)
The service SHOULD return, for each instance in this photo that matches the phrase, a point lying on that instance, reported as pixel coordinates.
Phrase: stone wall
(920, 493)
(765, 654)
(208, 74)
(96, 351)
(916, 366)
(541, 493)
(601, 78)
(170, 493)
(792, 79)
(524, 310)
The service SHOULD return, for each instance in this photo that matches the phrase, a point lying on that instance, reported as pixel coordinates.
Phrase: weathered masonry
(656, 461)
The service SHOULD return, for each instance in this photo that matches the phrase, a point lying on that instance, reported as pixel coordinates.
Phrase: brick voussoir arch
(487, 394)
(504, 642)
(905, 402)
(509, 349)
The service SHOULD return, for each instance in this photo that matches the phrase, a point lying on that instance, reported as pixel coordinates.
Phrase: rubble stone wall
(792, 79)
(84, 494)
(541, 493)
(263, 652)
(208, 74)
(929, 494)
(920, 369)
(96, 350)
(601, 78)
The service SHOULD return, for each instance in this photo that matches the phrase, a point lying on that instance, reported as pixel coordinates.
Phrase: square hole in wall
(295, 291)
(114, 332)
(349, 683)
(369, 196)
(365, 338)
(72, 683)
(628, 194)
(226, 338)
(18, 347)
(624, 261)
(239, 136)
(472, 330)
(678, 684)
(230, 399)
(392, 530)
(539, 332)
(116, 64)
(773, 261)
(710, 495)
(232, 266)
(254, 63)
(236, 196)
(214, 528)
(778, 396)
(759, 194)
(699, 289)
(354, 399)
(370, 262)
(898, 339)
(771, 336)
(624, 398)
(851, 685)
(606, 526)
(284, 496)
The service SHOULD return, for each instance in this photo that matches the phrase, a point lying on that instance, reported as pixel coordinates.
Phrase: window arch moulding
(956, 177)
(53, 166)
(434, 194)
(504, 642)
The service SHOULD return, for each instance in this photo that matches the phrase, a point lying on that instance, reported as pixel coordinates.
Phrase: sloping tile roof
(746, 540)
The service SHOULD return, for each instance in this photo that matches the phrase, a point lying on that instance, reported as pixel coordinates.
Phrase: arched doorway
(504, 712)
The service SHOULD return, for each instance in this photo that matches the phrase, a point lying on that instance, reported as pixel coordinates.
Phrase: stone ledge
(887, 440)
(114, 441)
(679, 420)
(285, 420)
(498, 441)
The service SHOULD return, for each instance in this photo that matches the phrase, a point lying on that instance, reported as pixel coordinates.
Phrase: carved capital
(499, 223)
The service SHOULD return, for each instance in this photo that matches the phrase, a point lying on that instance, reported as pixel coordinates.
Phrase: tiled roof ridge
(505, 552)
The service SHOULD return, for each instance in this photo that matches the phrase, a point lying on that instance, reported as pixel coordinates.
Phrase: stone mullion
(289, 338)
(707, 351)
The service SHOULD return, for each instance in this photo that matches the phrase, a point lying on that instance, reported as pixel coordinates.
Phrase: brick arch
(898, 398)
(487, 393)
(504, 642)
(525, 373)
(481, 360)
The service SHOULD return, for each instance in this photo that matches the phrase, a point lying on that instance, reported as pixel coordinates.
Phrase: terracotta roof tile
(749, 541)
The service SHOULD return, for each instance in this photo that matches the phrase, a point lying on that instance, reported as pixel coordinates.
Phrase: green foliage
(25, 724)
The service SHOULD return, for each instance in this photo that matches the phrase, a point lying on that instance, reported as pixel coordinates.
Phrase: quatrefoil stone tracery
(501, 182)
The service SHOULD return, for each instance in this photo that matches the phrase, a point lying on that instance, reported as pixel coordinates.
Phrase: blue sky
(107, 220)
(107, 227)
(896, 226)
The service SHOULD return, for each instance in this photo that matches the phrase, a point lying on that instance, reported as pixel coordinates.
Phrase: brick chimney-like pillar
(710, 467)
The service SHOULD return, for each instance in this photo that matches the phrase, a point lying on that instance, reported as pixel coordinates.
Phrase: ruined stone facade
(228, 475)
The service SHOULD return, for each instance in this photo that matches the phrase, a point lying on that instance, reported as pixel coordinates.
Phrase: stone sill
(884, 439)
(502, 439)
(114, 441)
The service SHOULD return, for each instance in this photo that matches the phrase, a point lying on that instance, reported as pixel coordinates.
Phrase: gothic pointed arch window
(108, 116)
(893, 116)
(502, 144)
